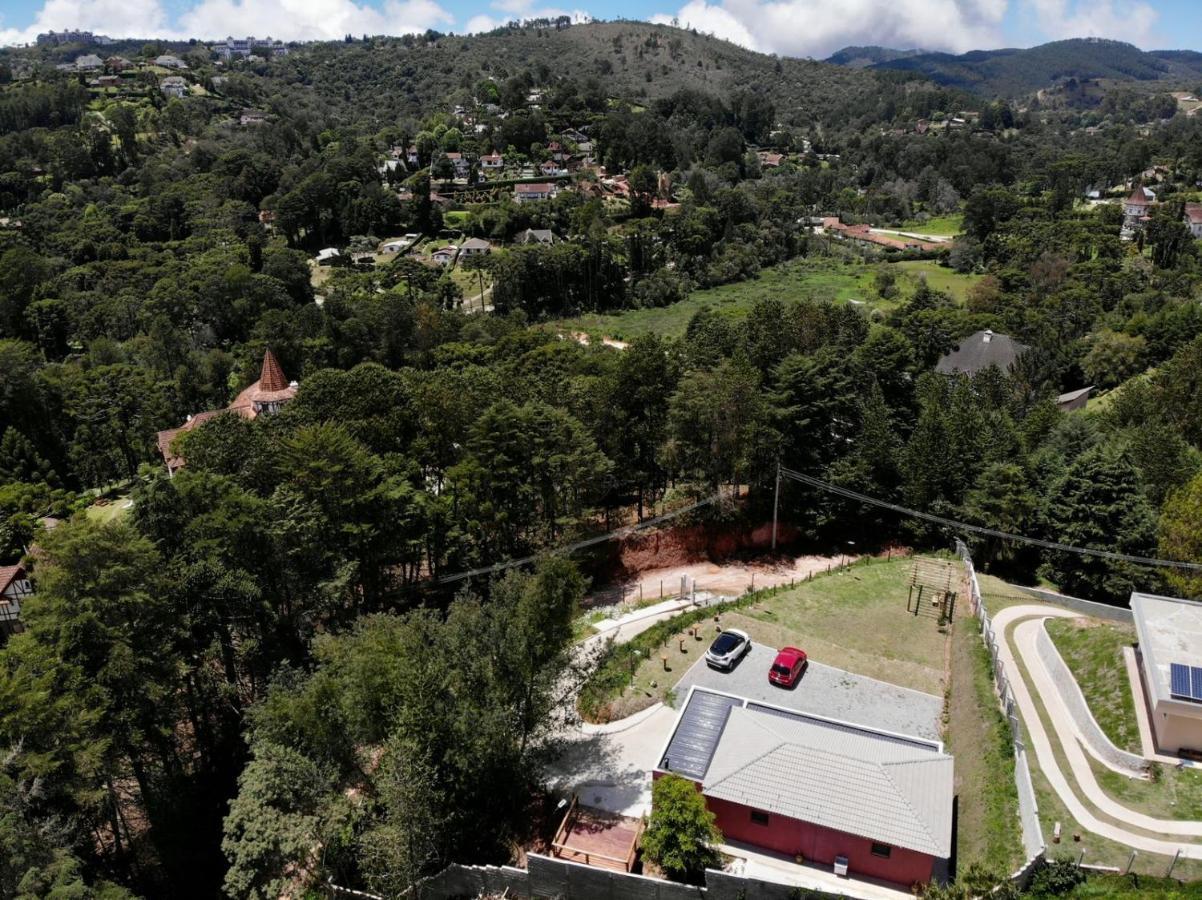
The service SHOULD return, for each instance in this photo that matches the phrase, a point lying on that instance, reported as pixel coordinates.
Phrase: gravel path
(825, 691)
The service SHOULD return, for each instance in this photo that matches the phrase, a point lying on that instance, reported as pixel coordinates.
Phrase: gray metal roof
(979, 351)
(697, 734)
(856, 781)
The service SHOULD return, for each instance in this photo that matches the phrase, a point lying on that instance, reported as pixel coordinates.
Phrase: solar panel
(1185, 682)
(1179, 681)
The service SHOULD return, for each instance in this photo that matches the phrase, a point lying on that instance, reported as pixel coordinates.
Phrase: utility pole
(775, 505)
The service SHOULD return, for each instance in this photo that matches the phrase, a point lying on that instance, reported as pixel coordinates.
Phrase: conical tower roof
(272, 377)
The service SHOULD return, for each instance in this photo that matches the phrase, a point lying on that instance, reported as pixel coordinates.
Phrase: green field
(829, 280)
(944, 226)
(111, 511)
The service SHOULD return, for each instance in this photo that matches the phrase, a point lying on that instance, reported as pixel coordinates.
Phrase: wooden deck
(598, 838)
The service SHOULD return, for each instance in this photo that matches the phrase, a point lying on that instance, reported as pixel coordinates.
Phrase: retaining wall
(1070, 692)
(1085, 607)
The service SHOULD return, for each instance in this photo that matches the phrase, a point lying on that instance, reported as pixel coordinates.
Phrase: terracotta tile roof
(272, 377)
(1138, 197)
(1193, 212)
(9, 574)
(166, 437)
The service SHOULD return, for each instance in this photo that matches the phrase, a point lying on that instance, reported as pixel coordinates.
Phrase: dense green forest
(229, 685)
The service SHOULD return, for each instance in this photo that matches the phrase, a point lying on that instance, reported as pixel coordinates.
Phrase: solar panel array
(1185, 682)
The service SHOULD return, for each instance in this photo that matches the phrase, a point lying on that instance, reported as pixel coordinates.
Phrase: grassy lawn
(1093, 651)
(855, 619)
(938, 277)
(811, 278)
(944, 226)
(987, 825)
(109, 512)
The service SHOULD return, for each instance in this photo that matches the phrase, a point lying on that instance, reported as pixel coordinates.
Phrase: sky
(789, 27)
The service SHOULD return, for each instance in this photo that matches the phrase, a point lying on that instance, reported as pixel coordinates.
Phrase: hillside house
(492, 162)
(14, 590)
(445, 256)
(528, 193)
(865, 802)
(475, 247)
(264, 397)
(167, 61)
(173, 86)
(460, 164)
(88, 62)
(536, 236)
(769, 160)
(252, 117)
(979, 351)
(117, 64)
(1193, 218)
(1071, 401)
(1135, 211)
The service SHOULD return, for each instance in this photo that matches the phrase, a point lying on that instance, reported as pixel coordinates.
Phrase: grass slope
(812, 278)
(1093, 651)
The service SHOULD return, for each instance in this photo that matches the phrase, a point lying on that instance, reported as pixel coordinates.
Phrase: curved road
(1024, 641)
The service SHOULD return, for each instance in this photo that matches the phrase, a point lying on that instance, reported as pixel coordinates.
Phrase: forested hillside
(1015, 72)
(264, 648)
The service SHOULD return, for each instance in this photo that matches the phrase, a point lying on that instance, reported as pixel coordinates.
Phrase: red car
(787, 668)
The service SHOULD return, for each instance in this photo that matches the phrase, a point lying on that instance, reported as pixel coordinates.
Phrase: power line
(987, 532)
(580, 545)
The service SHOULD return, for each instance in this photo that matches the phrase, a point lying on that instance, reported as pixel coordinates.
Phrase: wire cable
(849, 494)
(580, 545)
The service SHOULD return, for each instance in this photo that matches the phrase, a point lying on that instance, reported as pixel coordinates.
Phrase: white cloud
(310, 19)
(819, 27)
(715, 20)
(118, 18)
(207, 19)
(1134, 23)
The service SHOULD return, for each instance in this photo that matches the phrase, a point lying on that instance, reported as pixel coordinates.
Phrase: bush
(1055, 878)
(681, 831)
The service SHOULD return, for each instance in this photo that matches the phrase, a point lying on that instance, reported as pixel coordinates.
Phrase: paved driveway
(825, 691)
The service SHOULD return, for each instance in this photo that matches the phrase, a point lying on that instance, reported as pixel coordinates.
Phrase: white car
(727, 649)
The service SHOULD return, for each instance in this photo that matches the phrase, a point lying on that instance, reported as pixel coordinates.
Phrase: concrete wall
(817, 844)
(560, 878)
(1074, 700)
(1085, 607)
(1175, 732)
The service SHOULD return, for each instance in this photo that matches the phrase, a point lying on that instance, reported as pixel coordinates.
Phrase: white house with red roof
(14, 589)
(262, 398)
(492, 162)
(528, 193)
(1193, 218)
(1135, 211)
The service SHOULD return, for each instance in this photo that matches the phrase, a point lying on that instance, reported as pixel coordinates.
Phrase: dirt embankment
(691, 544)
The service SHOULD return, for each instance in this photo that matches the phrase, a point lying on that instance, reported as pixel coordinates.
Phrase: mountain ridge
(1015, 71)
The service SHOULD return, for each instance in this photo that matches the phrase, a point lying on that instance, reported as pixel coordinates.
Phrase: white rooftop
(1170, 631)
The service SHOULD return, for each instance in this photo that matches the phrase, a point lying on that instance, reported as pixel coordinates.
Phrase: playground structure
(932, 593)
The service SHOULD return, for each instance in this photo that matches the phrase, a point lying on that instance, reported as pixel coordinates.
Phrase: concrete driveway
(825, 691)
(610, 767)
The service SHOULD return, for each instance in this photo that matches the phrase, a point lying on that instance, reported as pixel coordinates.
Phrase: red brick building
(864, 802)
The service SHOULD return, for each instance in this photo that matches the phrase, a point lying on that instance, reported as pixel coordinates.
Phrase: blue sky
(792, 27)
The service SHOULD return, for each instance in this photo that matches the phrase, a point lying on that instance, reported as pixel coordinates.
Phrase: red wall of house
(819, 845)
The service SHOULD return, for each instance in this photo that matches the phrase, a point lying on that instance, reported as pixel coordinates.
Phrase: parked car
(788, 666)
(727, 649)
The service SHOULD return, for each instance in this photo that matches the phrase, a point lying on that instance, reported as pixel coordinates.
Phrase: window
(881, 850)
(759, 818)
